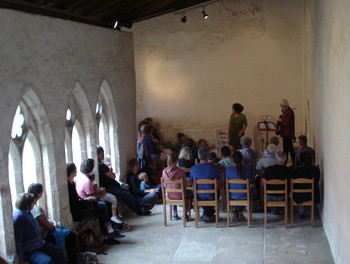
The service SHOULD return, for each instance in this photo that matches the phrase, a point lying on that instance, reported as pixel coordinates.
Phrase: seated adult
(303, 148)
(149, 196)
(181, 139)
(273, 140)
(277, 172)
(185, 159)
(307, 171)
(248, 153)
(30, 246)
(172, 173)
(205, 170)
(47, 226)
(85, 189)
(226, 159)
(108, 180)
(268, 159)
(238, 171)
(155, 132)
(87, 208)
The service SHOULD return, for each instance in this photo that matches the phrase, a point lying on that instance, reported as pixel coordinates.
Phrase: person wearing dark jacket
(148, 196)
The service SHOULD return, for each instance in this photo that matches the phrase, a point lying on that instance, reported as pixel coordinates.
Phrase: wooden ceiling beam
(102, 8)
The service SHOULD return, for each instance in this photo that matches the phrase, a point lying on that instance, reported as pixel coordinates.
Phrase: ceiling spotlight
(184, 19)
(116, 24)
(205, 15)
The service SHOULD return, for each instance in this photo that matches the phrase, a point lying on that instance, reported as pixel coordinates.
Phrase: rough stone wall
(328, 61)
(49, 56)
(188, 75)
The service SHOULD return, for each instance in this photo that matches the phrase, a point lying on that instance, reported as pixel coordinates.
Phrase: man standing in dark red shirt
(287, 131)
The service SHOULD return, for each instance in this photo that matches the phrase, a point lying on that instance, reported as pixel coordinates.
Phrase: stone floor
(149, 241)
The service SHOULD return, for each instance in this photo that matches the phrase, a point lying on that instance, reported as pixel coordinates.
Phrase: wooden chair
(276, 203)
(231, 203)
(198, 203)
(298, 190)
(187, 170)
(170, 202)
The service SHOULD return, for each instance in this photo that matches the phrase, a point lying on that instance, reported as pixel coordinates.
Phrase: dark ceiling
(101, 12)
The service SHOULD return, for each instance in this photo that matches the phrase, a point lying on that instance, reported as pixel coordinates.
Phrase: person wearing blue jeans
(29, 245)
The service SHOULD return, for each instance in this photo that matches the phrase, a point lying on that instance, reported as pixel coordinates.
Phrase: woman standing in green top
(238, 124)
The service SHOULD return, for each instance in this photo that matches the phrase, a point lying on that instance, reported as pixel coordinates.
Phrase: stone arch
(111, 117)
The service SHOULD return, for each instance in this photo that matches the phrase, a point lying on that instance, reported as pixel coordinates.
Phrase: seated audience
(155, 133)
(268, 159)
(277, 172)
(30, 246)
(307, 171)
(145, 184)
(237, 171)
(226, 159)
(212, 158)
(273, 140)
(205, 170)
(172, 173)
(85, 190)
(204, 143)
(87, 208)
(181, 139)
(185, 159)
(303, 148)
(47, 227)
(149, 196)
(108, 181)
(192, 144)
(248, 154)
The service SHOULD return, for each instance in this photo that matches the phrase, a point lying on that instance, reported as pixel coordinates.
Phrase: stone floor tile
(285, 260)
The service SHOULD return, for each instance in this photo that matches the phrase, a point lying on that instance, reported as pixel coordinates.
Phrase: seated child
(144, 185)
(212, 158)
(226, 159)
(107, 197)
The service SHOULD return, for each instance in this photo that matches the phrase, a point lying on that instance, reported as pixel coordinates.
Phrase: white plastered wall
(49, 56)
(188, 75)
(329, 94)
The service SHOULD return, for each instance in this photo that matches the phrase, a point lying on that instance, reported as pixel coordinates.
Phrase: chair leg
(164, 213)
(217, 214)
(291, 214)
(286, 214)
(249, 214)
(265, 215)
(170, 212)
(184, 213)
(312, 214)
(196, 215)
(228, 212)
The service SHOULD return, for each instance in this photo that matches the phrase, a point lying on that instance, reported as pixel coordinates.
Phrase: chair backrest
(166, 191)
(302, 181)
(276, 182)
(253, 167)
(205, 181)
(185, 169)
(237, 181)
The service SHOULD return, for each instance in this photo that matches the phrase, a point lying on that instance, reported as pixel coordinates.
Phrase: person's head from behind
(189, 143)
(148, 130)
(25, 202)
(36, 189)
(237, 158)
(100, 153)
(149, 120)
(212, 157)
(284, 104)
(87, 166)
(203, 154)
(143, 123)
(246, 142)
(271, 149)
(186, 153)
(134, 165)
(302, 140)
(306, 158)
(202, 142)
(281, 157)
(181, 137)
(171, 160)
(225, 151)
(143, 177)
(274, 140)
(237, 108)
(71, 171)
